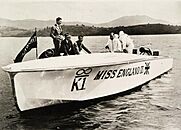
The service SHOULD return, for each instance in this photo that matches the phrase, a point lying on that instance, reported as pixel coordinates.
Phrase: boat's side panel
(35, 89)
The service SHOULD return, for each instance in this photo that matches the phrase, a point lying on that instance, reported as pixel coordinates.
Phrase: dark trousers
(57, 44)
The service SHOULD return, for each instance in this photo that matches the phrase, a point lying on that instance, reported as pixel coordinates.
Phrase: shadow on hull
(71, 107)
(66, 108)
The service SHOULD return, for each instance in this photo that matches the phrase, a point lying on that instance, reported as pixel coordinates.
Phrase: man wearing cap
(57, 35)
(67, 46)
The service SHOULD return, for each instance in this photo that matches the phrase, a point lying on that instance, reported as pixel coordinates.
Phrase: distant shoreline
(90, 36)
(75, 30)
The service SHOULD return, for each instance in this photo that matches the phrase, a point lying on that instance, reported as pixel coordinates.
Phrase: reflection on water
(156, 106)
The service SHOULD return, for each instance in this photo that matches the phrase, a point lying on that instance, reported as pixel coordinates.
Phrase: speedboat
(58, 80)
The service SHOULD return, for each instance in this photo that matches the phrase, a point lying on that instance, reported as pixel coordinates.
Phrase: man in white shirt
(113, 44)
(127, 42)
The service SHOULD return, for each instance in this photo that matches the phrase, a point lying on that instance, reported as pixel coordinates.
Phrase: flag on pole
(32, 43)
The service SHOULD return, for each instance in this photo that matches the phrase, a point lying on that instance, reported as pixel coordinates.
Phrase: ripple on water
(157, 106)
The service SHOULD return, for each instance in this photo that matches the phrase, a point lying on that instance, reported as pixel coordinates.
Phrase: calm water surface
(156, 107)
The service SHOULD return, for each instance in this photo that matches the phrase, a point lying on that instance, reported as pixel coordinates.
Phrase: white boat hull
(39, 88)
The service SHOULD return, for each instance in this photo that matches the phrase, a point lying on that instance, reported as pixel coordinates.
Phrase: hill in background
(10, 31)
(132, 20)
(122, 21)
(144, 29)
(132, 25)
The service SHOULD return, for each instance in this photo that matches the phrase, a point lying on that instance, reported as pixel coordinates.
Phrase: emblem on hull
(147, 67)
(80, 79)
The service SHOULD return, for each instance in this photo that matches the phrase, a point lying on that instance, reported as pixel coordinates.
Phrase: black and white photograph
(90, 64)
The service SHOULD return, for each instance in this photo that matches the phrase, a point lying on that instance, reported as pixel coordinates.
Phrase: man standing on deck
(57, 35)
(113, 44)
(127, 42)
(109, 42)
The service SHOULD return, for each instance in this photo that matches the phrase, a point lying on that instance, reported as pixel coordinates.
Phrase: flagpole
(36, 53)
(37, 46)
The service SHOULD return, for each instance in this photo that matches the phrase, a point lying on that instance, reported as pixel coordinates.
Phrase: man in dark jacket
(78, 46)
(67, 46)
(57, 35)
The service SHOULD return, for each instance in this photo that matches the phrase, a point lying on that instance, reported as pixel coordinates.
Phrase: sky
(92, 11)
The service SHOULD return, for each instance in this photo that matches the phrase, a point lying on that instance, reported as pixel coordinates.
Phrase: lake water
(156, 107)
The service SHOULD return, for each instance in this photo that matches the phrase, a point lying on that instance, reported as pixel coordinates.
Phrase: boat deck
(77, 61)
